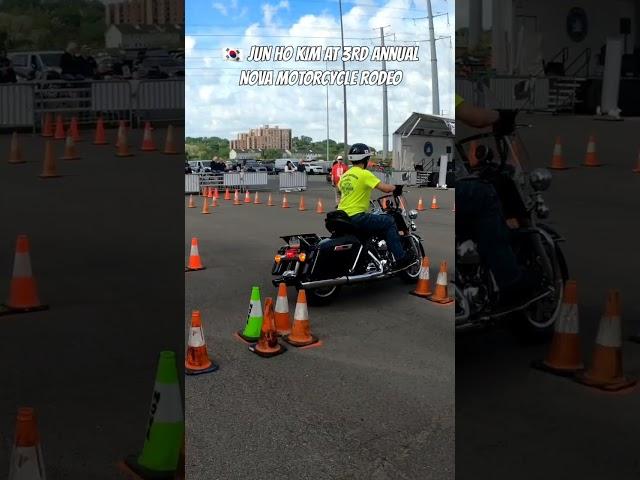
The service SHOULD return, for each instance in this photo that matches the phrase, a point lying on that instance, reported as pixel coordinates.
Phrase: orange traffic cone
(169, 143)
(270, 202)
(606, 371)
(205, 206)
(557, 161)
(565, 355)
(197, 360)
(267, 345)
(421, 205)
(301, 206)
(591, 157)
(423, 287)
(74, 130)
(47, 127)
(209, 193)
(195, 263)
(227, 194)
(256, 200)
(49, 169)
(282, 317)
(100, 137)
(59, 133)
(319, 207)
(23, 292)
(637, 168)
(26, 459)
(441, 294)
(216, 193)
(434, 203)
(191, 202)
(122, 130)
(123, 145)
(15, 152)
(214, 202)
(285, 202)
(70, 151)
(300, 335)
(247, 197)
(148, 145)
(236, 198)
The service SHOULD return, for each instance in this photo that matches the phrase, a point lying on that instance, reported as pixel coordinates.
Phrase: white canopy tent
(421, 140)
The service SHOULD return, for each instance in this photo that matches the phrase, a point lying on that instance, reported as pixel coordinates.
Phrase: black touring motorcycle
(497, 160)
(322, 265)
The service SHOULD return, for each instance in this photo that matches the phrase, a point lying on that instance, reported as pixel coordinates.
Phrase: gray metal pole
(434, 64)
(385, 111)
(344, 90)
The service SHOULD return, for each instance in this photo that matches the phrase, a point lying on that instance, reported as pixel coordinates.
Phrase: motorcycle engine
(469, 275)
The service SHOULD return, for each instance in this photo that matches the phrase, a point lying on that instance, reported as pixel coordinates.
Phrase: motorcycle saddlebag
(335, 257)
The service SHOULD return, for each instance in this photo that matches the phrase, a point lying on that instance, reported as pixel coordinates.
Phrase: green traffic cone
(165, 430)
(253, 327)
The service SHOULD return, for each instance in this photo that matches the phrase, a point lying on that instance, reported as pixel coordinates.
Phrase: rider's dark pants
(478, 211)
(381, 224)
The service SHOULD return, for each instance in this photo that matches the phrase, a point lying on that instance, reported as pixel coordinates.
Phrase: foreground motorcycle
(535, 244)
(322, 265)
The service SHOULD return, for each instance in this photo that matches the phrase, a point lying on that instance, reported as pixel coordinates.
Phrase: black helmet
(359, 152)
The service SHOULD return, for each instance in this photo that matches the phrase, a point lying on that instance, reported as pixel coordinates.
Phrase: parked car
(36, 64)
(313, 169)
(200, 166)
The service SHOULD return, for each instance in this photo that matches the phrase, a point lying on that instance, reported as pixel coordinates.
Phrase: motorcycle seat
(338, 223)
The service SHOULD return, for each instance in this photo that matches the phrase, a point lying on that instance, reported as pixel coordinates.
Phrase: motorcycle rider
(479, 205)
(356, 185)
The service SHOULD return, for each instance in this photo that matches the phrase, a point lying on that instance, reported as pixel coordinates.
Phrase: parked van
(281, 162)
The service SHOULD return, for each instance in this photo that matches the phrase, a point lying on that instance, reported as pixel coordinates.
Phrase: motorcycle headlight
(540, 179)
(413, 214)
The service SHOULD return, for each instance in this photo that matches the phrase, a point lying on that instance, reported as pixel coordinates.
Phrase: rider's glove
(506, 123)
(398, 191)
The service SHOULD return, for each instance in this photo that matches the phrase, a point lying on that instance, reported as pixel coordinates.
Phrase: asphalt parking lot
(515, 422)
(99, 240)
(375, 401)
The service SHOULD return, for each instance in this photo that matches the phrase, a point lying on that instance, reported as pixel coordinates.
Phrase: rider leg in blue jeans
(384, 225)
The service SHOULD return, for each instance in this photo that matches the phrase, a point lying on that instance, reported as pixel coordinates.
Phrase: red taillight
(290, 254)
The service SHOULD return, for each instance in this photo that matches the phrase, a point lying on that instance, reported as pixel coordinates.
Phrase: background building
(143, 36)
(263, 138)
(144, 12)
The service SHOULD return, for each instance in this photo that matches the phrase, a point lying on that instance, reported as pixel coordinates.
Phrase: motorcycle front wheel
(410, 275)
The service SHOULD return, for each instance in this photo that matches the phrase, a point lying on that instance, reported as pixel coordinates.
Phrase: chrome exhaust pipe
(331, 282)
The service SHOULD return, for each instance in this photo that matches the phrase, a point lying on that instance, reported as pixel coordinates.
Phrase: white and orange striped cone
(236, 198)
(557, 160)
(434, 203)
(216, 193)
(423, 287)
(421, 207)
(441, 293)
(247, 197)
(122, 130)
(197, 360)
(301, 206)
(256, 200)
(606, 372)
(195, 262)
(565, 355)
(319, 207)
(270, 202)
(191, 202)
(26, 461)
(285, 202)
(23, 291)
(205, 206)
(70, 150)
(49, 169)
(300, 335)
(59, 133)
(123, 144)
(100, 137)
(591, 157)
(281, 312)
(15, 152)
(227, 194)
(148, 145)
(209, 193)
(214, 202)
(169, 143)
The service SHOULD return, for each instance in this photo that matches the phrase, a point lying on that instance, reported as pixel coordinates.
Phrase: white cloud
(221, 9)
(230, 109)
(189, 44)
(269, 10)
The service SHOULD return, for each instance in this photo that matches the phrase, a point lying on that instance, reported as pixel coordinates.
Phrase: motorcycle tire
(411, 276)
(318, 297)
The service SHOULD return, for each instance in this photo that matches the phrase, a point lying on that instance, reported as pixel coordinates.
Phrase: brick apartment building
(144, 12)
(263, 138)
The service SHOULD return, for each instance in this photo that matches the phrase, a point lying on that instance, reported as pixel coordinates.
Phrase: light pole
(434, 63)
(344, 87)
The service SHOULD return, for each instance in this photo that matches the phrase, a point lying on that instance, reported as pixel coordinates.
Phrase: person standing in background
(337, 169)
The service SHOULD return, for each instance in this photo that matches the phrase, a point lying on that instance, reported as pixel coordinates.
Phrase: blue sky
(217, 106)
